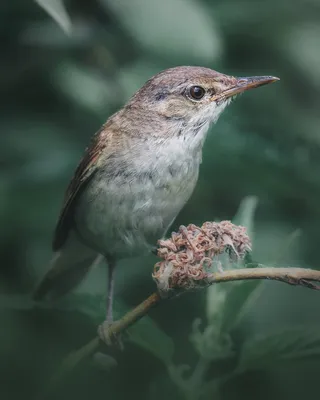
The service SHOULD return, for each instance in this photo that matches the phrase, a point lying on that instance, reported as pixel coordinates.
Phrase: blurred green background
(60, 79)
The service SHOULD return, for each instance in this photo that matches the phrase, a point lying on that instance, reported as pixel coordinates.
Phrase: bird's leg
(102, 330)
(111, 274)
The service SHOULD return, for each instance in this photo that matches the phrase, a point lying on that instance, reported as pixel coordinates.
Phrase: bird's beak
(242, 84)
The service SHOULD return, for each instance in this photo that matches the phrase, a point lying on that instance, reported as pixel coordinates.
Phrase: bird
(136, 175)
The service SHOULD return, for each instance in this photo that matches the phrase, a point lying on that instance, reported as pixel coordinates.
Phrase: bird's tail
(67, 269)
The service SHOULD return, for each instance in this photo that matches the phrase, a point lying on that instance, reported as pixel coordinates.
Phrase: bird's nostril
(242, 81)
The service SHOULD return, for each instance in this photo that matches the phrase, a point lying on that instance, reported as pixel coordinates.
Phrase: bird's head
(192, 96)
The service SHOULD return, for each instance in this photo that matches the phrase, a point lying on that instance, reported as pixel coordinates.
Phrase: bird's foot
(110, 339)
(154, 250)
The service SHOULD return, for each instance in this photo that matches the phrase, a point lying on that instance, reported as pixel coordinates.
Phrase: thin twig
(74, 358)
(291, 276)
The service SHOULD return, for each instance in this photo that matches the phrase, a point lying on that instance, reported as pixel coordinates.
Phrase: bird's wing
(84, 172)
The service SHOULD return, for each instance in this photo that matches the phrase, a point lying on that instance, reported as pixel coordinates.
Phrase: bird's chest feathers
(135, 198)
(157, 175)
(172, 166)
(155, 179)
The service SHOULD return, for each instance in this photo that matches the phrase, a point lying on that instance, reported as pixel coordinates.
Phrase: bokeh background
(60, 79)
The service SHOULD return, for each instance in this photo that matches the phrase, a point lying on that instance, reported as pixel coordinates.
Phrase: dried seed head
(189, 253)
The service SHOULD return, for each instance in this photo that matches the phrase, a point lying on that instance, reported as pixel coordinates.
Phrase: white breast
(127, 212)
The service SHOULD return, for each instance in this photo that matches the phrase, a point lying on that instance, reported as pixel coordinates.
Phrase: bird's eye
(196, 92)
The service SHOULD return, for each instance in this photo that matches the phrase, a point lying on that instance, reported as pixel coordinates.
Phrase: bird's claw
(154, 250)
(109, 338)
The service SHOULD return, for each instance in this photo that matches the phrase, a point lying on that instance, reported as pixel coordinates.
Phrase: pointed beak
(243, 84)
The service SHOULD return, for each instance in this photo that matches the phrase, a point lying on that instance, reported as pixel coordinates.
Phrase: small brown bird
(138, 173)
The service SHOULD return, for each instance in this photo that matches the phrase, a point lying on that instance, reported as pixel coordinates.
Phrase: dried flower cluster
(189, 253)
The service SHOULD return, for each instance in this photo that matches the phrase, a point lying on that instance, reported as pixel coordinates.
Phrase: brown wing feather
(84, 172)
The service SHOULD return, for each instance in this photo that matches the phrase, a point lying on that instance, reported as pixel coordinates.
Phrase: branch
(291, 276)
(186, 259)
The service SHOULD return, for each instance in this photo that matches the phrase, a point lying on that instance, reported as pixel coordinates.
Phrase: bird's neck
(150, 127)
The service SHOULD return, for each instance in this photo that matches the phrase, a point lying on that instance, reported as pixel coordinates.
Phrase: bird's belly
(127, 214)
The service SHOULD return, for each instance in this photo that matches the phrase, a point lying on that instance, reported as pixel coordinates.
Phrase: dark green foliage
(63, 72)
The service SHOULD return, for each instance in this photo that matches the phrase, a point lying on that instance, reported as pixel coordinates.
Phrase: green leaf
(286, 246)
(245, 214)
(238, 294)
(238, 298)
(264, 351)
(211, 343)
(58, 12)
(244, 294)
(85, 86)
(227, 303)
(215, 304)
(150, 337)
(165, 27)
